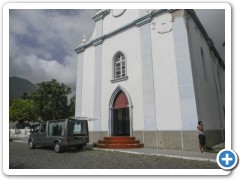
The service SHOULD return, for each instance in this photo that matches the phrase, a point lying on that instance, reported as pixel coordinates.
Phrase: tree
(72, 106)
(26, 96)
(22, 110)
(51, 99)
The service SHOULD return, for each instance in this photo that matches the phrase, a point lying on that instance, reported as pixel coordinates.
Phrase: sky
(42, 42)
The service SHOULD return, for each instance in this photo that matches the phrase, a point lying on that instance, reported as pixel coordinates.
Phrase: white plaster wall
(168, 112)
(129, 43)
(111, 23)
(205, 90)
(88, 84)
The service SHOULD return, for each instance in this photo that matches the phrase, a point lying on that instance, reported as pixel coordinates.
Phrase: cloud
(42, 43)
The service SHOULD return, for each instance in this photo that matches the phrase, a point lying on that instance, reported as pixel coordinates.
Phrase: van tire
(30, 144)
(80, 147)
(57, 147)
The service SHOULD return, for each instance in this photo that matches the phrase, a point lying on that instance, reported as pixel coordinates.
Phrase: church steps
(112, 138)
(118, 142)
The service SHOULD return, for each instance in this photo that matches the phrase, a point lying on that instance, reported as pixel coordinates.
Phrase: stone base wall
(139, 135)
(185, 140)
(94, 136)
(190, 140)
(170, 139)
(214, 137)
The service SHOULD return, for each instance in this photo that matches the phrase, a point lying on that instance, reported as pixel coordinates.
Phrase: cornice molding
(79, 49)
(101, 15)
(97, 41)
(143, 20)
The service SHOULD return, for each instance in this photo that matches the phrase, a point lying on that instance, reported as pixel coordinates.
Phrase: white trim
(117, 14)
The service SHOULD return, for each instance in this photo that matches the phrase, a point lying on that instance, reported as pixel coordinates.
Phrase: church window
(119, 67)
(204, 65)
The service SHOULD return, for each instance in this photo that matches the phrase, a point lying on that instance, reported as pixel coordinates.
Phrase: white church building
(152, 75)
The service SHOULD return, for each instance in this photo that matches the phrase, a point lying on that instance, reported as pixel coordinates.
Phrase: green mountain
(18, 86)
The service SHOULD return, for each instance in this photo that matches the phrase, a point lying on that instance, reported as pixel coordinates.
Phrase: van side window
(43, 128)
(36, 128)
(56, 128)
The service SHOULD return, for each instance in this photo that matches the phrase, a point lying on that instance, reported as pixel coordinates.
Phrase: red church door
(121, 121)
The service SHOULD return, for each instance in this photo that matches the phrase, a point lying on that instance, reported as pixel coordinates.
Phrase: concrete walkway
(190, 155)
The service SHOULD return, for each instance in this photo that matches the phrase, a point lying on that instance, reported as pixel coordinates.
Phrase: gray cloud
(42, 43)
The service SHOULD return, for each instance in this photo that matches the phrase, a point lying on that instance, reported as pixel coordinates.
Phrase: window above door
(119, 67)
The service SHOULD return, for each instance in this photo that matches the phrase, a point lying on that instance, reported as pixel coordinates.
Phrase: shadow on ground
(66, 149)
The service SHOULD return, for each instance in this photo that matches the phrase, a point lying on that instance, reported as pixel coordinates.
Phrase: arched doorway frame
(111, 104)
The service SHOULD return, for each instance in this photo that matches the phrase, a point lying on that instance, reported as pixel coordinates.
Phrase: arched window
(119, 67)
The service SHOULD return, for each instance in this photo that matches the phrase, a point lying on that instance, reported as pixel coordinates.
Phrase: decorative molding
(118, 12)
(97, 41)
(119, 79)
(144, 20)
(101, 15)
(79, 50)
(162, 28)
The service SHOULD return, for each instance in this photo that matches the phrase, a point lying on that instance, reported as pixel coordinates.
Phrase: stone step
(118, 146)
(118, 142)
(119, 138)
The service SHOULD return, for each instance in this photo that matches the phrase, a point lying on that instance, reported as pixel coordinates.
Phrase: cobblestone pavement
(20, 157)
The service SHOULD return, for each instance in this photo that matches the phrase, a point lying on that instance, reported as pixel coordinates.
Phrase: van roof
(83, 118)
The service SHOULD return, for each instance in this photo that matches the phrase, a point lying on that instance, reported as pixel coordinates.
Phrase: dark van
(60, 133)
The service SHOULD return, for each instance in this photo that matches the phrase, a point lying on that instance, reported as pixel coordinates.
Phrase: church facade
(151, 74)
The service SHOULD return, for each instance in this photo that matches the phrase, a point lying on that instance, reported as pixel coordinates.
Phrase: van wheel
(30, 144)
(57, 147)
(80, 146)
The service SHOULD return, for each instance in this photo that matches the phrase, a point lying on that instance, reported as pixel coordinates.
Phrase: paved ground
(88, 158)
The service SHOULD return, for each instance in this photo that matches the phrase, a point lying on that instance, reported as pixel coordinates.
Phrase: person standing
(201, 136)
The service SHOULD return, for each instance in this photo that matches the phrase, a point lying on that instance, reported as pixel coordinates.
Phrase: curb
(165, 155)
(19, 141)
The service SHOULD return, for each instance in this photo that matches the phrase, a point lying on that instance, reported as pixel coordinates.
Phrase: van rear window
(78, 128)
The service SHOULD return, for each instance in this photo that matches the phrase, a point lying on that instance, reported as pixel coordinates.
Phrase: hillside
(18, 86)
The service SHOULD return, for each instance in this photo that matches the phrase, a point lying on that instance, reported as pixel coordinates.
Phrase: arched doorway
(120, 113)
(120, 119)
